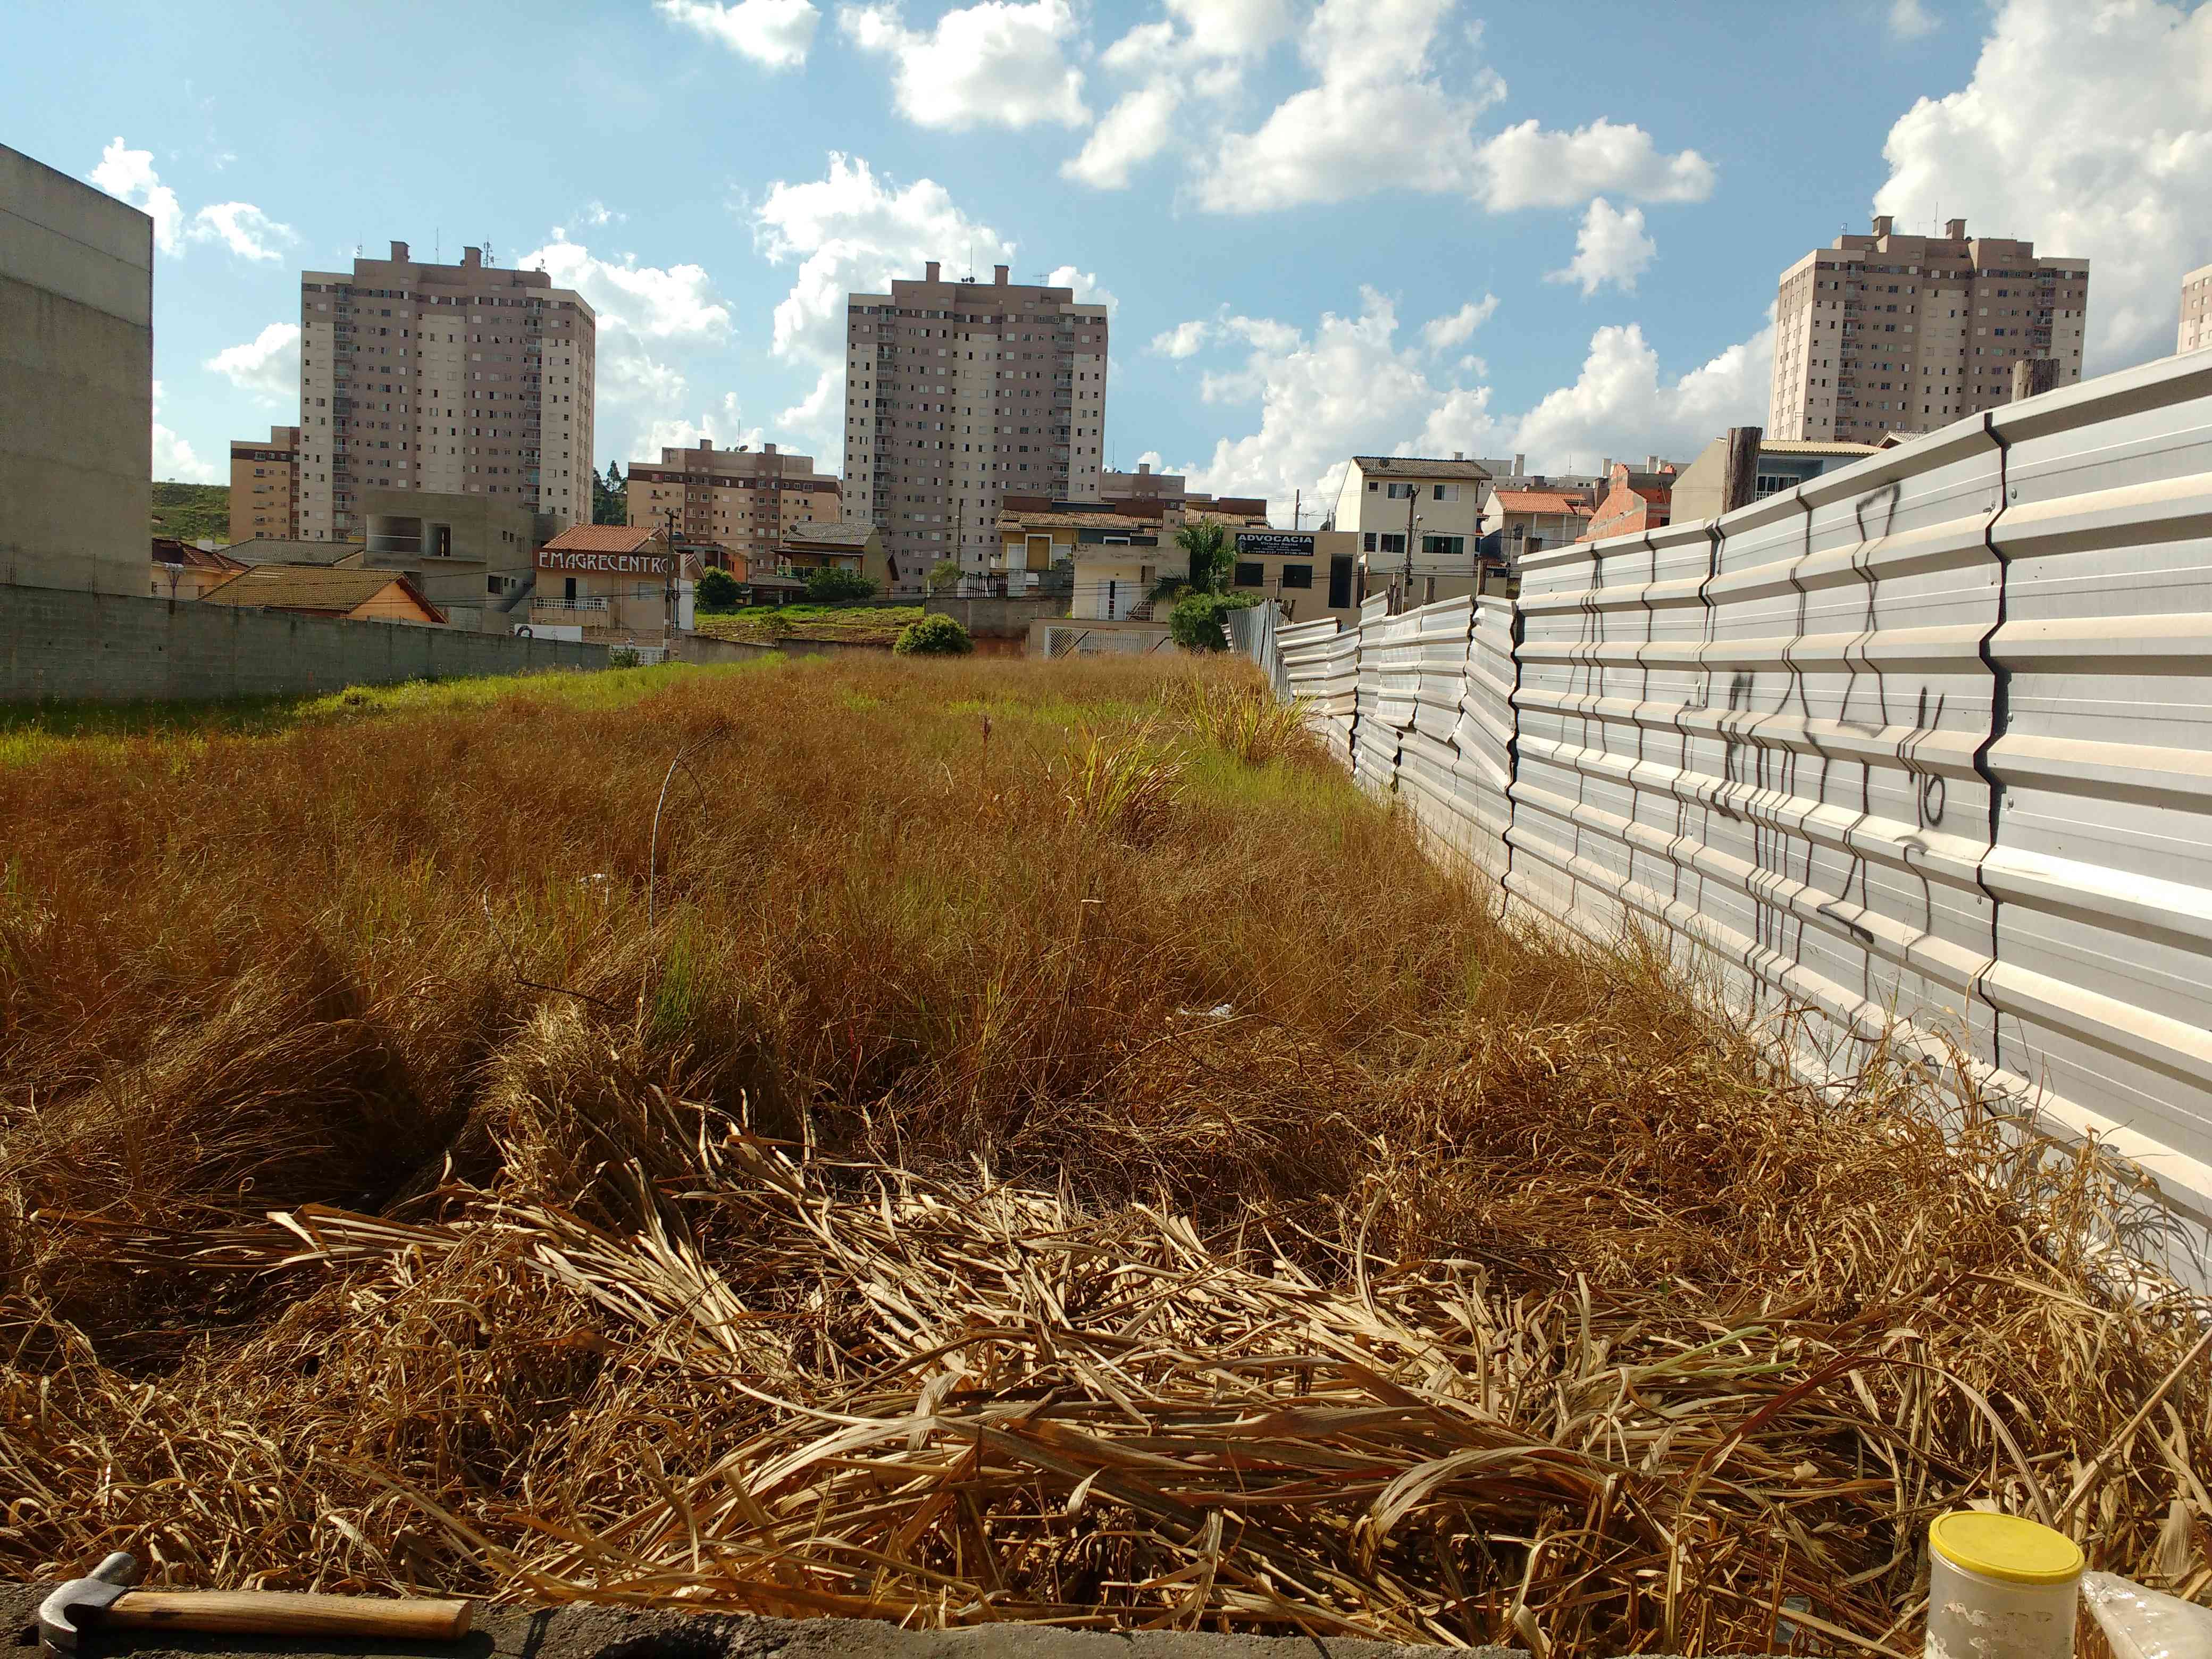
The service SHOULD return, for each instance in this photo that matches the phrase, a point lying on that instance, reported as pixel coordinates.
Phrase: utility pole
(1410, 523)
(668, 586)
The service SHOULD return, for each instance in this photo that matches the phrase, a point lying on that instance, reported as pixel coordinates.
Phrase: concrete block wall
(63, 643)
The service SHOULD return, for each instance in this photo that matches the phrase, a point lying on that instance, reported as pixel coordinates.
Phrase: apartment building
(1889, 332)
(2196, 311)
(265, 486)
(958, 394)
(467, 379)
(746, 499)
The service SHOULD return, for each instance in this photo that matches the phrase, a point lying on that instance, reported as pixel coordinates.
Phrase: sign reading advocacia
(570, 562)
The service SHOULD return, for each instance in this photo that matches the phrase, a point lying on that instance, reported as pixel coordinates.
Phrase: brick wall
(60, 642)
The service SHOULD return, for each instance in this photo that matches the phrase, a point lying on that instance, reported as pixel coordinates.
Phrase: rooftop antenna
(438, 244)
(487, 258)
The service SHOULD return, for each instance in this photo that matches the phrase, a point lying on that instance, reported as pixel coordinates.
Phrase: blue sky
(1324, 225)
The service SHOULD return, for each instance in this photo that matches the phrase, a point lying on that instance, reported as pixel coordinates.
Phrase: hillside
(977, 1141)
(191, 511)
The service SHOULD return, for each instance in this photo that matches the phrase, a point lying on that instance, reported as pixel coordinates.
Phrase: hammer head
(84, 1599)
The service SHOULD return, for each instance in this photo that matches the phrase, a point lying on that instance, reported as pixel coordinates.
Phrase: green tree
(1195, 623)
(718, 591)
(934, 637)
(827, 584)
(1212, 557)
(610, 495)
(944, 577)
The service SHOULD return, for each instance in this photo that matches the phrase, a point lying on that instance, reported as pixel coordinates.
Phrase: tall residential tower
(1895, 333)
(2196, 312)
(468, 379)
(958, 392)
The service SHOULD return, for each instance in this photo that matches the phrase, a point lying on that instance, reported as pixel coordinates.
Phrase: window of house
(1444, 547)
(1367, 537)
(1394, 544)
(1445, 493)
(1250, 574)
(1298, 575)
(1402, 492)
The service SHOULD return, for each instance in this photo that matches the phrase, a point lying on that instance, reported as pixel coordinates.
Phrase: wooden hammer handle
(278, 1613)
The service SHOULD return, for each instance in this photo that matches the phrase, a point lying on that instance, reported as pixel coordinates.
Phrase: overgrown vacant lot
(1026, 1141)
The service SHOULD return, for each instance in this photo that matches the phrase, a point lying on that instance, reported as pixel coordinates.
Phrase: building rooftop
(1060, 519)
(313, 587)
(1424, 466)
(168, 550)
(827, 533)
(602, 538)
(268, 550)
(1814, 446)
(1539, 500)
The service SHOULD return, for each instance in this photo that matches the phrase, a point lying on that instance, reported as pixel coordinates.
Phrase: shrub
(943, 576)
(624, 656)
(827, 585)
(718, 591)
(934, 637)
(1196, 622)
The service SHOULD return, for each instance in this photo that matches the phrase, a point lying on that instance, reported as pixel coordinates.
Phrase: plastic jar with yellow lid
(2000, 1587)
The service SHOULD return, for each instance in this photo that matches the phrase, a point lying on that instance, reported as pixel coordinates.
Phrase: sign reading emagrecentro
(573, 562)
(1275, 544)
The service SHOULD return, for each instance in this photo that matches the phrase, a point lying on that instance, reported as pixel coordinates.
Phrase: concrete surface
(77, 382)
(55, 642)
(579, 1632)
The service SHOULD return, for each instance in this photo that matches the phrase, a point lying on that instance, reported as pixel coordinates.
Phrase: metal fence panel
(1918, 752)
(2102, 871)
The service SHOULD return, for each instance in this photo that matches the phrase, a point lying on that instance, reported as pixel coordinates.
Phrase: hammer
(107, 1599)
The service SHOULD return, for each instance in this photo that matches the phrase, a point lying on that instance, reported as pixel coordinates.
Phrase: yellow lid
(2007, 1547)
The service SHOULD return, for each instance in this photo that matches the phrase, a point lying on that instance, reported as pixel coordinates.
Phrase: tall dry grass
(1056, 1153)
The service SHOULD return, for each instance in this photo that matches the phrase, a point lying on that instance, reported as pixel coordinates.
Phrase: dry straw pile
(1078, 1166)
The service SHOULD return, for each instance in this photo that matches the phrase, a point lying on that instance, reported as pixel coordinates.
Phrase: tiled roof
(168, 550)
(1235, 521)
(602, 538)
(313, 587)
(1808, 447)
(269, 549)
(830, 533)
(1538, 501)
(1421, 466)
(1072, 521)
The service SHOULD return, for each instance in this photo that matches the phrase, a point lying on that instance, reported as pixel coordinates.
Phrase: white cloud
(774, 33)
(1151, 458)
(1181, 341)
(1346, 388)
(1620, 404)
(850, 232)
(266, 366)
(653, 302)
(1131, 133)
(598, 213)
(1526, 165)
(1085, 287)
(725, 426)
(173, 459)
(1610, 248)
(1444, 332)
(1909, 19)
(2131, 191)
(1390, 112)
(1378, 118)
(243, 228)
(1000, 63)
(129, 175)
(1234, 28)
(1350, 388)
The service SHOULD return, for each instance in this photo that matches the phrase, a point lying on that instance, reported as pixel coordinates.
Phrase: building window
(1402, 492)
(1444, 547)
(1367, 537)
(1298, 575)
(1249, 575)
(1394, 544)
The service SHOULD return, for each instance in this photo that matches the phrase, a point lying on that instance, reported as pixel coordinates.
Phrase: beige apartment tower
(746, 499)
(1895, 333)
(957, 393)
(465, 379)
(265, 486)
(2196, 311)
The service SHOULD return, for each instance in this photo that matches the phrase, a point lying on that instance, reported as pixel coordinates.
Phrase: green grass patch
(190, 512)
(29, 731)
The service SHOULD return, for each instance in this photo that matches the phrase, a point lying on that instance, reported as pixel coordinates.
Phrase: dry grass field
(966, 1141)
